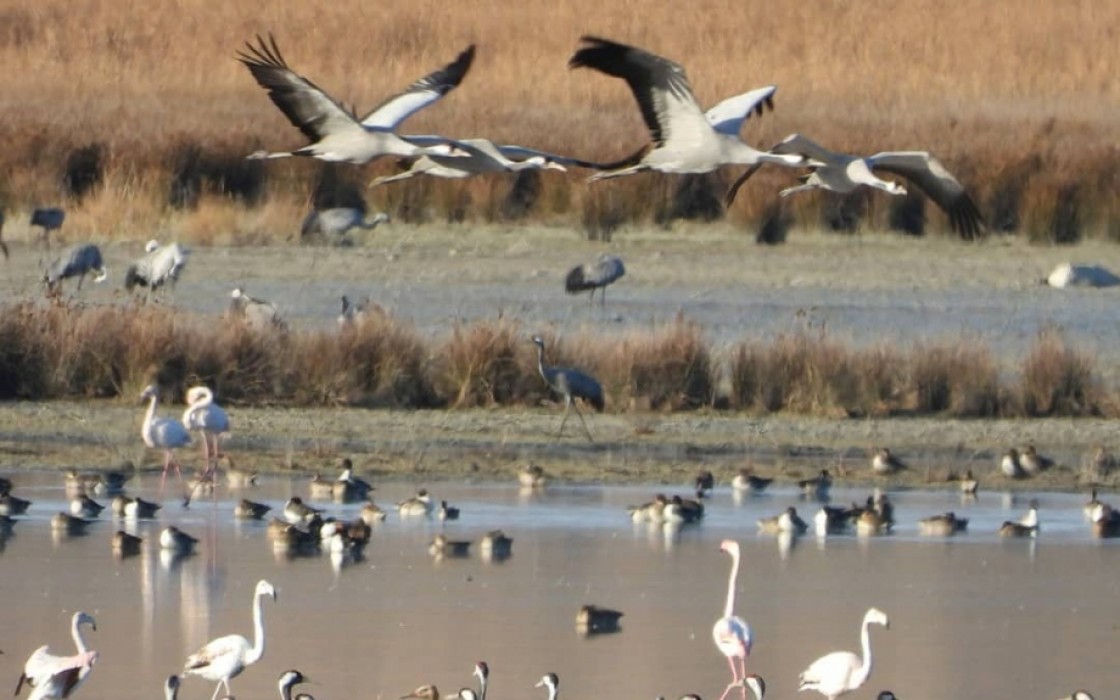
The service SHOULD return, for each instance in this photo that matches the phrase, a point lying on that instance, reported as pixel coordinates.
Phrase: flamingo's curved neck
(865, 668)
(728, 610)
(482, 687)
(205, 397)
(258, 631)
(79, 640)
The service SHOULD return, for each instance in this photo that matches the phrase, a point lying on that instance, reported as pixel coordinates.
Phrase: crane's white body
(226, 657)
(841, 672)
(160, 265)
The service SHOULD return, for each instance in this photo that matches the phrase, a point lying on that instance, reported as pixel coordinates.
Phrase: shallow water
(970, 617)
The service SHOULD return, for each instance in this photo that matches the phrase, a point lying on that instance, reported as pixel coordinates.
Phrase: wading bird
(572, 384)
(52, 676)
(481, 156)
(685, 139)
(337, 221)
(257, 313)
(336, 133)
(841, 672)
(600, 274)
(843, 173)
(591, 619)
(160, 265)
(731, 633)
(482, 672)
(552, 682)
(164, 433)
(49, 219)
(226, 657)
(289, 680)
(76, 261)
(209, 419)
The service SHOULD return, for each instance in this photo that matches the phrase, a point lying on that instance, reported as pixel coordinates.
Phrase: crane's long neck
(865, 668)
(258, 631)
(149, 417)
(729, 609)
(540, 362)
(79, 640)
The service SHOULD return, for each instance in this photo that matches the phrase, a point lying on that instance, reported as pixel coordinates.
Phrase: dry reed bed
(49, 352)
(143, 109)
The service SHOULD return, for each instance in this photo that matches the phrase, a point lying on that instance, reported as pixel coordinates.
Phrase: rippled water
(970, 617)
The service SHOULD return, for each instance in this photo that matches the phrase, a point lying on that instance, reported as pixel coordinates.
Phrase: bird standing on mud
(597, 275)
(571, 384)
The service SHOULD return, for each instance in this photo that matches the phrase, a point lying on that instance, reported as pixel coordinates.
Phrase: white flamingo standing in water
(164, 433)
(53, 676)
(841, 672)
(209, 419)
(731, 633)
(226, 657)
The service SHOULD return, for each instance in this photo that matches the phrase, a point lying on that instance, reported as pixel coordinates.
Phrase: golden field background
(1007, 94)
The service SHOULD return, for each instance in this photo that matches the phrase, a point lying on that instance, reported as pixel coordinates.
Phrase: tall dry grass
(104, 99)
(49, 352)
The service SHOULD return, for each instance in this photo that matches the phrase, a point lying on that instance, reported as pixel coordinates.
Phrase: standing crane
(77, 261)
(258, 314)
(597, 275)
(571, 384)
(49, 219)
(160, 265)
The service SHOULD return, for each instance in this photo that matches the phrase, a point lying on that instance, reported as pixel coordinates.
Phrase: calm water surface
(970, 617)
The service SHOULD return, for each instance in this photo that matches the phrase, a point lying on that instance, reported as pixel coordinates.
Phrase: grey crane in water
(597, 275)
(572, 384)
(684, 138)
(76, 261)
(336, 133)
(337, 221)
(49, 219)
(160, 265)
(257, 313)
(844, 173)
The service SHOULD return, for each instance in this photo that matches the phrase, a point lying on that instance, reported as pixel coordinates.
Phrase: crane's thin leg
(603, 298)
(591, 299)
(567, 410)
(581, 420)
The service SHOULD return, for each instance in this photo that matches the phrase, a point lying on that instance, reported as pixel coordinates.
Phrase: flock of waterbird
(304, 529)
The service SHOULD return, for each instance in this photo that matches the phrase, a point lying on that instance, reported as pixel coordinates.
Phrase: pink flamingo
(731, 633)
(164, 433)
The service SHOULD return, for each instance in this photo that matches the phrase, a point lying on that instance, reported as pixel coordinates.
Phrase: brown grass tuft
(484, 364)
(1058, 380)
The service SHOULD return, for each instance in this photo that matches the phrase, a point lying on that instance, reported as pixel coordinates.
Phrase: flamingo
(731, 633)
(226, 657)
(53, 676)
(841, 672)
(482, 671)
(165, 433)
(208, 418)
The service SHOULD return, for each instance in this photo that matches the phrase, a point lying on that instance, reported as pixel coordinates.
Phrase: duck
(883, 462)
(1107, 523)
(126, 545)
(5, 486)
(682, 511)
(292, 541)
(786, 521)
(830, 520)
(359, 486)
(1027, 526)
(77, 483)
(174, 540)
(1009, 465)
(133, 508)
(441, 547)
(418, 505)
(238, 478)
(299, 513)
(942, 525)
(13, 505)
(870, 523)
(651, 511)
(881, 504)
(745, 480)
(532, 477)
(969, 484)
(69, 524)
(817, 487)
(496, 546)
(446, 512)
(704, 482)
(250, 510)
(1032, 462)
(85, 507)
(372, 513)
(111, 483)
(1094, 507)
(320, 489)
(592, 619)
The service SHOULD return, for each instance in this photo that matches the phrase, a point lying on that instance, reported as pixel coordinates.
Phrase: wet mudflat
(971, 616)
